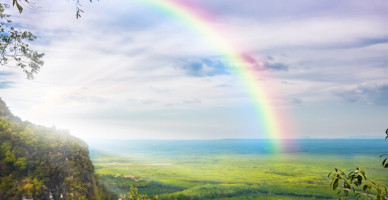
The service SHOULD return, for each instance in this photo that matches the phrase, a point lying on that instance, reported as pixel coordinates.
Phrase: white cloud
(121, 58)
(317, 32)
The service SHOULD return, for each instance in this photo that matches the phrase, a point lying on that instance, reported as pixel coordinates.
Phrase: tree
(14, 47)
(356, 184)
(134, 195)
(38, 162)
(78, 8)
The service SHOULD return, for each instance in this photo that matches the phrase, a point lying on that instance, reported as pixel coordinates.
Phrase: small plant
(134, 195)
(355, 184)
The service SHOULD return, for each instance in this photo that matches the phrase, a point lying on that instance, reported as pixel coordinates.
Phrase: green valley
(230, 176)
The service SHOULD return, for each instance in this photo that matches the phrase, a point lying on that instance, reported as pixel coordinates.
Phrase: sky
(128, 70)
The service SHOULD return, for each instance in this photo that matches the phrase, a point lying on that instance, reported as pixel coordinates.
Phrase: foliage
(120, 184)
(355, 184)
(134, 195)
(38, 162)
(384, 156)
(352, 183)
(78, 8)
(14, 48)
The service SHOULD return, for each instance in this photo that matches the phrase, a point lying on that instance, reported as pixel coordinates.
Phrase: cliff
(42, 163)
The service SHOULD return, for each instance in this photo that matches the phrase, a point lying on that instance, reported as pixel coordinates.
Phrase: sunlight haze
(127, 70)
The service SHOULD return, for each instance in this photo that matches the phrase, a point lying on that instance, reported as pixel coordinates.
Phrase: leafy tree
(356, 185)
(14, 47)
(38, 162)
(14, 43)
(134, 195)
(78, 6)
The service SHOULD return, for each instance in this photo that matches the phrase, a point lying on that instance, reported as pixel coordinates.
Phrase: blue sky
(126, 70)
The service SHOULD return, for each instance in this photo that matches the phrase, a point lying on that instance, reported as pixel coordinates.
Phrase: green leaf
(362, 172)
(369, 185)
(335, 184)
(364, 187)
(346, 184)
(20, 8)
(339, 192)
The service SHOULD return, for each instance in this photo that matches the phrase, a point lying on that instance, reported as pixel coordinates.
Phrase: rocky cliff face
(43, 163)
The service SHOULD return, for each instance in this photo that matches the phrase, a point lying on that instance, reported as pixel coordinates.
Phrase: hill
(37, 162)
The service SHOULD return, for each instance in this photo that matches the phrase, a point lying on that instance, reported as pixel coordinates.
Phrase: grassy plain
(231, 176)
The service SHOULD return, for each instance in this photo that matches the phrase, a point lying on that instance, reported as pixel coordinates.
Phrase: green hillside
(37, 162)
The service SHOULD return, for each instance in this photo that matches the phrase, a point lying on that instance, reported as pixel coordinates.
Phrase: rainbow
(272, 122)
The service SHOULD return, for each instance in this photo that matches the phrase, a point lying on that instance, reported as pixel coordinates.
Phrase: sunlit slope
(44, 163)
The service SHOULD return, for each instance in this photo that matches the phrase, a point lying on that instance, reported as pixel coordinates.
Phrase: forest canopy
(44, 163)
